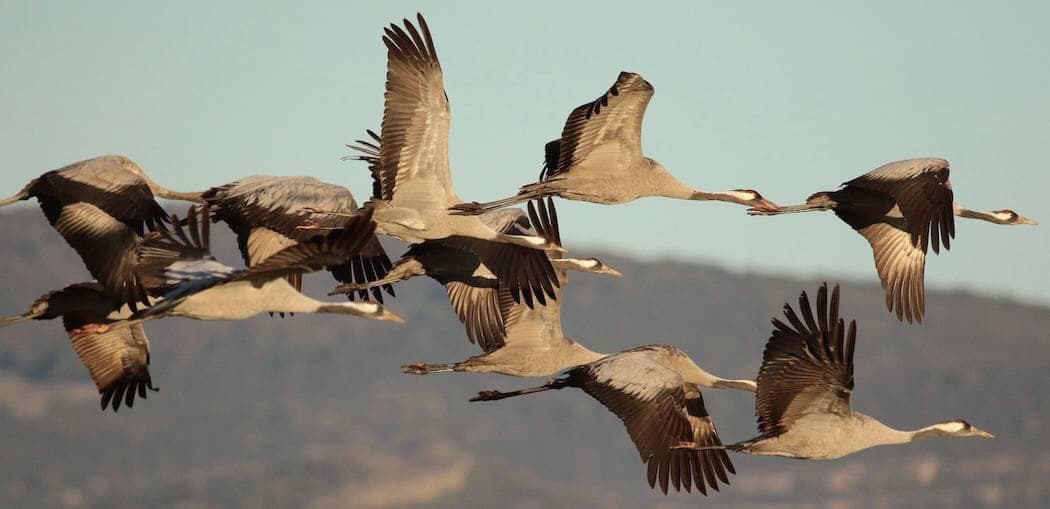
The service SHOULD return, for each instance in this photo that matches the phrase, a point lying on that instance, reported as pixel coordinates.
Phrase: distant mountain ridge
(314, 412)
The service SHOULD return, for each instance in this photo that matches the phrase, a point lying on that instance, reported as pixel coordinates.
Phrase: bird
(805, 386)
(265, 211)
(178, 266)
(101, 207)
(900, 208)
(527, 273)
(412, 178)
(655, 391)
(599, 159)
(115, 352)
(517, 340)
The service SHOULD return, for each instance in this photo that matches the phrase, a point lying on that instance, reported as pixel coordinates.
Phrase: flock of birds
(504, 269)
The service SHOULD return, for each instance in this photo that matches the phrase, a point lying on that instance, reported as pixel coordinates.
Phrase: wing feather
(106, 246)
(688, 466)
(924, 194)
(117, 357)
(805, 369)
(901, 267)
(414, 168)
(107, 182)
(615, 117)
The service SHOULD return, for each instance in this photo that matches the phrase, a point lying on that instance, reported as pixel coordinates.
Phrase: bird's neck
(892, 436)
(168, 194)
(696, 375)
(977, 214)
(577, 264)
(727, 196)
(582, 355)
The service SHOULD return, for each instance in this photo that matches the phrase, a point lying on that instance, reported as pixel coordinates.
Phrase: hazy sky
(784, 99)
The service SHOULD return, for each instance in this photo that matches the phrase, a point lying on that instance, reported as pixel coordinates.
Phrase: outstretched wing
(414, 167)
(370, 153)
(683, 467)
(280, 204)
(116, 356)
(526, 273)
(186, 241)
(901, 266)
(923, 192)
(265, 212)
(660, 412)
(482, 311)
(106, 246)
(319, 251)
(483, 302)
(613, 118)
(807, 367)
(112, 183)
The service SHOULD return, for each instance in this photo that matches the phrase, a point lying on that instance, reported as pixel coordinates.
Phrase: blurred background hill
(314, 411)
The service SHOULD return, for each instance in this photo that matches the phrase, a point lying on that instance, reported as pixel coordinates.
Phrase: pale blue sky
(784, 99)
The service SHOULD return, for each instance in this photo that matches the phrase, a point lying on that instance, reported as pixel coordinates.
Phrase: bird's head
(627, 79)
(1007, 216)
(80, 297)
(959, 428)
(753, 199)
(386, 315)
(596, 266)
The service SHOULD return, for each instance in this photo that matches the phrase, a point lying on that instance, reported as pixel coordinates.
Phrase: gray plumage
(459, 259)
(901, 208)
(517, 339)
(101, 207)
(265, 212)
(654, 390)
(599, 158)
(115, 352)
(805, 386)
(410, 168)
(193, 285)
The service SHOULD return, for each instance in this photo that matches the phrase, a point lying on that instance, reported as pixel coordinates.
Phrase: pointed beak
(982, 433)
(390, 316)
(1025, 220)
(613, 272)
(4, 322)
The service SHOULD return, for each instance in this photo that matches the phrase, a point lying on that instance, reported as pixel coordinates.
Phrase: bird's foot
(420, 368)
(466, 209)
(348, 288)
(487, 396)
(310, 226)
(313, 210)
(761, 212)
(417, 368)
